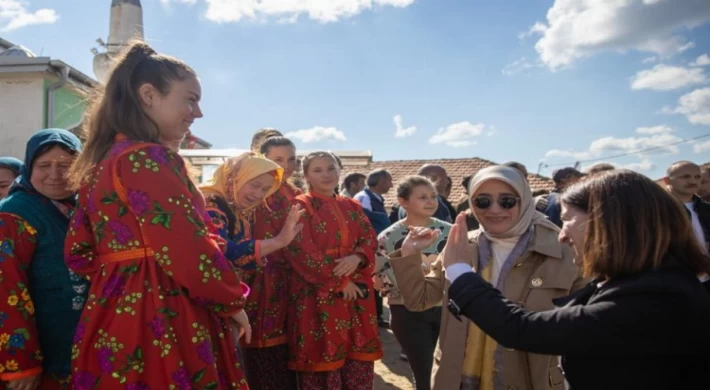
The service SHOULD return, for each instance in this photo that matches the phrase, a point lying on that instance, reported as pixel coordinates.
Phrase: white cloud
(518, 66)
(188, 2)
(15, 15)
(649, 60)
(666, 78)
(702, 147)
(703, 60)
(458, 134)
(660, 137)
(662, 129)
(568, 153)
(401, 132)
(324, 11)
(694, 105)
(643, 165)
(576, 29)
(317, 134)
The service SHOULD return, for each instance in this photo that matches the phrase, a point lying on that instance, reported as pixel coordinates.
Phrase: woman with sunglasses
(519, 254)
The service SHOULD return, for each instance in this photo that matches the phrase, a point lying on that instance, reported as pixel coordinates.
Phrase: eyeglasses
(484, 202)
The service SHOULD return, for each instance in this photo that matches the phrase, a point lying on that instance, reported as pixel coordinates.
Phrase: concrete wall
(21, 111)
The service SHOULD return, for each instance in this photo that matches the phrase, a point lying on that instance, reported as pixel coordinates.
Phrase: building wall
(69, 106)
(21, 111)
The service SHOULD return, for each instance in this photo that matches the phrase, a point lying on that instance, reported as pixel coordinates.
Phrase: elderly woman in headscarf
(237, 187)
(517, 251)
(9, 171)
(41, 299)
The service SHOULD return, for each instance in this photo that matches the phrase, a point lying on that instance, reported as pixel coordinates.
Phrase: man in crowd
(353, 184)
(518, 166)
(704, 191)
(550, 204)
(379, 182)
(683, 180)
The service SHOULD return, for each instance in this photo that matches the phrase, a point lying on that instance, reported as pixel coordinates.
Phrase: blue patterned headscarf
(38, 141)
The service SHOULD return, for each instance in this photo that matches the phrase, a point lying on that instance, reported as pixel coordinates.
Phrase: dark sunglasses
(504, 201)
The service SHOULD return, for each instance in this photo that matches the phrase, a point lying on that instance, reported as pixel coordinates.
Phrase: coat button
(537, 282)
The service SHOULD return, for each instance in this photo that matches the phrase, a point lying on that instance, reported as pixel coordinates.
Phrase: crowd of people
(119, 271)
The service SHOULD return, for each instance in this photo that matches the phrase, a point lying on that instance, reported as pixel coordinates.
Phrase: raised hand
(458, 249)
(292, 226)
(418, 239)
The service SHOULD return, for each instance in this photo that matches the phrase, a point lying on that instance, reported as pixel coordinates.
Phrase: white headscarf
(513, 177)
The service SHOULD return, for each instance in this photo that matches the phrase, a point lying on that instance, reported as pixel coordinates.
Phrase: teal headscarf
(12, 164)
(38, 141)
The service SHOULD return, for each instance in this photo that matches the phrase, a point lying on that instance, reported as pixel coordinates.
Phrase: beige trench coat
(544, 272)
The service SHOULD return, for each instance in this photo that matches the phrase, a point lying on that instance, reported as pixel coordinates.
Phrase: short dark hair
(634, 226)
(601, 167)
(679, 164)
(406, 186)
(374, 177)
(262, 135)
(273, 142)
(352, 178)
(518, 166)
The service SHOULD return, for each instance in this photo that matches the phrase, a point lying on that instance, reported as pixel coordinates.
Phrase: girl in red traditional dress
(332, 325)
(162, 292)
(235, 198)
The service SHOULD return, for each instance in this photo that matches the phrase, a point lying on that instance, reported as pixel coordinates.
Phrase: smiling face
(322, 175)
(49, 173)
(494, 218)
(255, 191)
(574, 224)
(285, 156)
(6, 178)
(422, 201)
(174, 111)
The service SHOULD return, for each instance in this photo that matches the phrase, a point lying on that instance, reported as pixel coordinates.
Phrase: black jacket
(649, 331)
(703, 209)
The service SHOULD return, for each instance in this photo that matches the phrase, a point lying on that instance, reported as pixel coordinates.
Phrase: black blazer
(649, 331)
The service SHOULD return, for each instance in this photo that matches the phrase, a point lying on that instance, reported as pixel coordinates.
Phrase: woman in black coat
(644, 320)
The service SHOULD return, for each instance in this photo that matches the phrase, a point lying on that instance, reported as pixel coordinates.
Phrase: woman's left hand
(347, 265)
(458, 249)
(242, 328)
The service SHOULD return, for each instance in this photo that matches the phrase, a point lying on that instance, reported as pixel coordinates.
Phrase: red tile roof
(457, 169)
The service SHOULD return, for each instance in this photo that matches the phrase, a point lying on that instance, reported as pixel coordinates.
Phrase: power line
(629, 153)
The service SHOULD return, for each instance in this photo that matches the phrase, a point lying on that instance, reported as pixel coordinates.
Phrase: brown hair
(117, 109)
(313, 155)
(407, 185)
(601, 167)
(262, 135)
(274, 142)
(634, 226)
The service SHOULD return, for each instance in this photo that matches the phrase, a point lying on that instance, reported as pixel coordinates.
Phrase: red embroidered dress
(159, 281)
(268, 300)
(323, 329)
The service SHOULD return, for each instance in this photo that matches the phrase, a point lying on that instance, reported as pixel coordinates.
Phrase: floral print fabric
(324, 329)
(160, 283)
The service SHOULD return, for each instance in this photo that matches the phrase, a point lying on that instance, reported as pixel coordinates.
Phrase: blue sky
(526, 80)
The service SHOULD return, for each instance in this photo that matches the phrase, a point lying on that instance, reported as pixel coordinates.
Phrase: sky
(544, 82)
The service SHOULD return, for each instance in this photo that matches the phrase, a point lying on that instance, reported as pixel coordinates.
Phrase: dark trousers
(417, 333)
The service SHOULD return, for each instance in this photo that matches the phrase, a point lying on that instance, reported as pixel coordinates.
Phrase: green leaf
(138, 353)
(211, 386)
(122, 211)
(167, 312)
(23, 332)
(198, 376)
(166, 221)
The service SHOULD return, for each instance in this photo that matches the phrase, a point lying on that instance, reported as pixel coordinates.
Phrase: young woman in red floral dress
(162, 293)
(332, 325)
